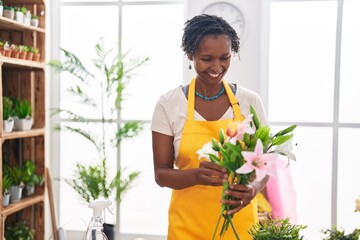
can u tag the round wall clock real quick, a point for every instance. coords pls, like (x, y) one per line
(231, 13)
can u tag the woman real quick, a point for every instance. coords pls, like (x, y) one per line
(186, 118)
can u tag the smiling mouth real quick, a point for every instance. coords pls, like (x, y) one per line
(214, 75)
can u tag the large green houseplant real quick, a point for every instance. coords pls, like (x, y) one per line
(91, 181)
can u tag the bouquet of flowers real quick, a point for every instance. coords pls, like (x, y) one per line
(248, 148)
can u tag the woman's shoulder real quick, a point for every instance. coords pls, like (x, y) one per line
(245, 93)
(172, 95)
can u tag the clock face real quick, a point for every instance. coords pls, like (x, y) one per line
(231, 14)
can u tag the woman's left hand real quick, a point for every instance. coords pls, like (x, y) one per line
(241, 195)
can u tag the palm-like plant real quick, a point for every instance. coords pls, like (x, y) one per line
(91, 181)
(7, 108)
(22, 108)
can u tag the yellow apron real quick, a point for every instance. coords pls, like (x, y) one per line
(194, 211)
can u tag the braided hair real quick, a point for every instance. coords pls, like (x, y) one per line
(205, 25)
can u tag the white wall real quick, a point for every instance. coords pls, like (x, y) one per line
(247, 70)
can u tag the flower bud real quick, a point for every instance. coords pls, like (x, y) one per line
(221, 136)
(232, 129)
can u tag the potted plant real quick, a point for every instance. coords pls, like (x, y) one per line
(337, 234)
(30, 178)
(8, 12)
(1, 47)
(19, 15)
(14, 50)
(29, 54)
(7, 49)
(22, 112)
(36, 54)
(8, 121)
(6, 185)
(276, 229)
(34, 21)
(92, 181)
(20, 231)
(27, 15)
(22, 51)
(16, 175)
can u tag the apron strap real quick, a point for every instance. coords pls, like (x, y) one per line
(233, 101)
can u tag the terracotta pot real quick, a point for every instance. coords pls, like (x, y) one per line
(7, 53)
(36, 57)
(15, 54)
(22, 55)
(29, 56)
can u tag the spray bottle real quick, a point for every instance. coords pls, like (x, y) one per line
(95, 228)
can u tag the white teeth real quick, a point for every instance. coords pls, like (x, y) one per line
(214, 75)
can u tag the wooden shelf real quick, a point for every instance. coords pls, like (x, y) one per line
(20, 63)
(10, 24)
(22, 204)
(27, 1)
(24, 134)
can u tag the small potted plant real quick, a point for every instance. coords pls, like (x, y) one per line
(7, 49)
(6, 185)
(30, 178)
(30, 53)
(16, 175)
(23, 51)
(22, 112)
(1, 47)
(19, 15)
(36, 54)
(14, 50)
(8, 121)
(27, 16)
(337, 234)
(20, 231)
(34, 21)
(8, 12)
(276, 229)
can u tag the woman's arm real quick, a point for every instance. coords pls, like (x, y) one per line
(166, 176)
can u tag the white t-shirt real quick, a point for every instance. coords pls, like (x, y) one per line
(170, 112)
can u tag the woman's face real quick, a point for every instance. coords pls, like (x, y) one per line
(212, 58)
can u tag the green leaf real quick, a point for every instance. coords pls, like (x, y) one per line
(221, 136)
(214, 158)
(215, 145)
(281, 139)
(285, 131)
(255, 118)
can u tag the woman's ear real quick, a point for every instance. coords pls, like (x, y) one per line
(190, 56)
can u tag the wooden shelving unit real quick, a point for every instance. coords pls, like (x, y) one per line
(24, 79)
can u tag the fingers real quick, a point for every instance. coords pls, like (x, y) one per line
(211, 174)
(239, 196)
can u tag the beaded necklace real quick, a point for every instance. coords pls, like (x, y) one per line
(210, 98)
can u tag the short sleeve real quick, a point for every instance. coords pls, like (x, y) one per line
(160, 122)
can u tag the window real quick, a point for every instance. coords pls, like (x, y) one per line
(151, 29)
(312, 81)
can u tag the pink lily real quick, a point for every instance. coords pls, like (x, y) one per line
(258, 161)
(242, 128)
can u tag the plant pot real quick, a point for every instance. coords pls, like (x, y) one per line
(16, 193)
(23, 124)
(36, 57)
(1, 10)
(109, 230)
(34, 22)
(22, 55)
(7, 53)
(29, 189)
(15, 54)
(6, 198)
(9, 13)
(8, 125)
(27, 19)
(19, 17)
(29, 56)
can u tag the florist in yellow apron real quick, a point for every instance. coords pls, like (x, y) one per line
(194, 211)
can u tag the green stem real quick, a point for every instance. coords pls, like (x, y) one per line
(233, 227)
(218, 221)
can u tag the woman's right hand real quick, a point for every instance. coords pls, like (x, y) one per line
(211, 174)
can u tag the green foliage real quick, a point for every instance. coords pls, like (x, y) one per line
(337, 234)
(113, 74)
(20, 231)
(6, 182)
(15, 173)
(29, 174)
(276, 229)
(22, 108)
(92, 182)
(8, 110)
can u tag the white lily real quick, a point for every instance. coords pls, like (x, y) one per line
(286, 149)
(206, 150)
